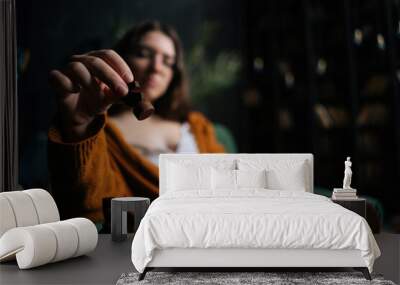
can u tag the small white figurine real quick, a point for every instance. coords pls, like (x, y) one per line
(347, 174)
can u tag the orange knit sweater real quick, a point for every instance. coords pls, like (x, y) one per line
(105, 165)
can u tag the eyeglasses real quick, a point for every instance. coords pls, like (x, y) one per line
(143, 51)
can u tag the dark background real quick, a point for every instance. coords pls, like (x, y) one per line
(282, 75)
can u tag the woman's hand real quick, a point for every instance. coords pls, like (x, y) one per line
(87, 87)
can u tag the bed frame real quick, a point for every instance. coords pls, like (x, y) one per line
(249, 258)
(243, 259)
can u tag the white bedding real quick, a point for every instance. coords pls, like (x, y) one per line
(250, 218)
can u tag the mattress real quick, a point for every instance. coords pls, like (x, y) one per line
(250, 218)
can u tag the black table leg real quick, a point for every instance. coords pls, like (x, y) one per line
(143, 274)
(364, 271)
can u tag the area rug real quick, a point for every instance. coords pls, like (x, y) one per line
(229, 278)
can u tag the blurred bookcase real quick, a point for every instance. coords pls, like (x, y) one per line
(327, 76)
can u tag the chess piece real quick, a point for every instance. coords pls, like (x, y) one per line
(142, 108)
(347, 174)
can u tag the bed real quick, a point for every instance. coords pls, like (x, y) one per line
(247, 211)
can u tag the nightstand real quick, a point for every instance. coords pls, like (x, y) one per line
(119, 208)
(357, 205)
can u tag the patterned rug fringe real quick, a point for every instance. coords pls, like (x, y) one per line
(243, 278)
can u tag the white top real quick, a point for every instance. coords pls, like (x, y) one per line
(186, 144)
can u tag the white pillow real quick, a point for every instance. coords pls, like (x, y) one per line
(188, 177)
(291, 179)
(204, 162)
(282, 174)
(236, 179)
(251, 178)
(223, 179)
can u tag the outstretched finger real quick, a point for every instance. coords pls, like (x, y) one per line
(62, 83)
(100, 69)
(116, 62)
(80, 75)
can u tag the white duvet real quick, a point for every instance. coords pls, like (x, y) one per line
(250, 219)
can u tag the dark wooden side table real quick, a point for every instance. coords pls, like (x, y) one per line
(357, 205)
(119, 208)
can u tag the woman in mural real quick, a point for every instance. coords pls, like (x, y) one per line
(97, 147)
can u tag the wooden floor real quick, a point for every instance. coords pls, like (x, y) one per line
(389, 262)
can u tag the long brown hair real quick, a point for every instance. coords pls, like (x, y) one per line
(174, 104)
